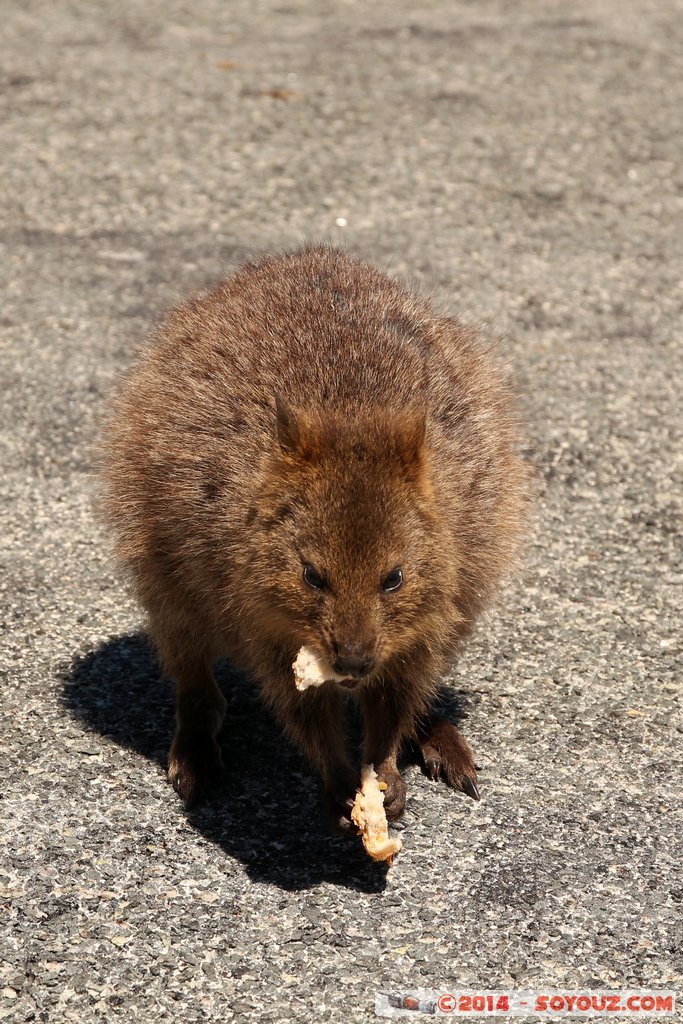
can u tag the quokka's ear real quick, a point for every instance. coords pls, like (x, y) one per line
(299, 436)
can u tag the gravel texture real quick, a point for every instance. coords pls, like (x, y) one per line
(524, 161)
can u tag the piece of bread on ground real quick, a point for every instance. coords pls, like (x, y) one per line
(368, 814)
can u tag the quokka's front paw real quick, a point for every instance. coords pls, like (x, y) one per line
(394, 794)
(194, 765)
(447, 756)
(340, 793)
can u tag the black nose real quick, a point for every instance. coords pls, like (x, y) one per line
(352, 660)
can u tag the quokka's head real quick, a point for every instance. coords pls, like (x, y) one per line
(349, 556)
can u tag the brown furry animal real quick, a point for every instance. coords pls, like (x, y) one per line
(310, 455)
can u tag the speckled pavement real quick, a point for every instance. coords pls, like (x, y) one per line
(525, 162)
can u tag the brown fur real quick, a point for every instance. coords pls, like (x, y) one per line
(310, 410)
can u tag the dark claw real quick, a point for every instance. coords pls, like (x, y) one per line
(433, 766)
(345, 826)
(469, 786)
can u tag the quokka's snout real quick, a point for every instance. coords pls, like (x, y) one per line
(354, 659)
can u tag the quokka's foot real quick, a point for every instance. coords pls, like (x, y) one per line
(194, 765)
(340, 798)
(447, 756)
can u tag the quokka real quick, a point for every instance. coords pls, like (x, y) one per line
(311, 455)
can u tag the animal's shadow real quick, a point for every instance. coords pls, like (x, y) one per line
(267, 810)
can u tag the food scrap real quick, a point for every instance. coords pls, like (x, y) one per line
(368, 814)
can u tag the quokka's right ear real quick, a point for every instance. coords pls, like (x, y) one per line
(410, 439)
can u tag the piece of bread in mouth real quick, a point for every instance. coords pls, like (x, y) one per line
(311, 669)
(369, 816)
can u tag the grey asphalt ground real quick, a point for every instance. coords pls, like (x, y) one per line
(523, 160)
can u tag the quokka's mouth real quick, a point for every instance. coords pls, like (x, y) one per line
(353, 682)
(350, 683)
(313, 667)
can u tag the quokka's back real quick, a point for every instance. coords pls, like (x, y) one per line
(310, 454)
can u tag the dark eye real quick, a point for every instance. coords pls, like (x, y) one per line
(393, 581)
(313, 578)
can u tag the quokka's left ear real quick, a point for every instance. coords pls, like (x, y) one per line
(286, 425)
(301, 436)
